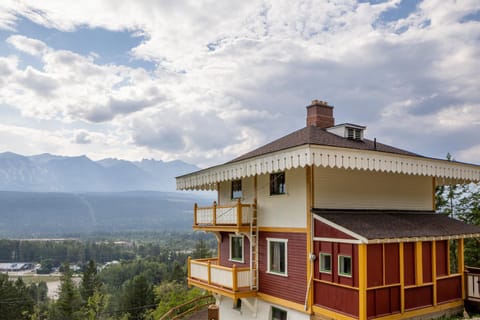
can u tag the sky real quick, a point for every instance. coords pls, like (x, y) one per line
(205, 81)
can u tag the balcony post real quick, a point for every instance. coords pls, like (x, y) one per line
(239, 213)
(195, 207)
(234, 278)
(209, 266)
(214, 217)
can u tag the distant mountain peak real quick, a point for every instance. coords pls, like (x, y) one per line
(48, 172)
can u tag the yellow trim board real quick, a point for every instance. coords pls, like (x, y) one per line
(331, 314)
(423, 311)
(282, 302)
(290, 230)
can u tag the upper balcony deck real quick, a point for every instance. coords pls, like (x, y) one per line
(233, 218)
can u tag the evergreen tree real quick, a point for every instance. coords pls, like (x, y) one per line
(138, 298)
(90, 282)
(201, 250)
(16, 302)
(69, 300)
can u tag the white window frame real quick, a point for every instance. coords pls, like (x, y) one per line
(231, 236)
(322, 255)
(269, 263)
(340, 265)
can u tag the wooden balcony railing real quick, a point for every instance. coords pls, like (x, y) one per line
(472, 281)
(234, 215)
(206, 273)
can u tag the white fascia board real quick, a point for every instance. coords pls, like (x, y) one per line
(333, 157)
(356, 236)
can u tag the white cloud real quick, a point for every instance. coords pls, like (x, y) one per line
(235, 74)
(30, 46)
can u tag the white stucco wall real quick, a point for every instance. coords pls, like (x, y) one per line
(225, 192)
(357, 189)
(287, 210)
(227, 312)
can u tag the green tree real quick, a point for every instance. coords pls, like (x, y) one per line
(69, 300)
(201, 250)
(90, 282)
(172, 294)
(15, 298)
(138, 298)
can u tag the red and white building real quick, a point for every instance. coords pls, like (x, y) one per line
(326, 224)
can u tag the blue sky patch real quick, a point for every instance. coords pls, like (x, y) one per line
(474, 16)
(402, 11)
(110, 46)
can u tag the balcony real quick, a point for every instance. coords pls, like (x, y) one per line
(231, 282)
(234, 218)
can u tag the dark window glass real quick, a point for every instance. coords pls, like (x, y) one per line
(236, 189)
(277, 183)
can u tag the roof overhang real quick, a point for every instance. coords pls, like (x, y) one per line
(446, 172)
(370, 228)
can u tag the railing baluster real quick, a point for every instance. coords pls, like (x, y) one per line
(239, 213)
(214, 221)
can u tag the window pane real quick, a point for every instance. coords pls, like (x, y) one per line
(236, 189)
(345, 266)
(277, 183)
(277, 257)
(279, 314)
(325, 262)
(237, 248)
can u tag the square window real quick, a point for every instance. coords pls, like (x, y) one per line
(277, 183)
(325, 262)
(345, 266)
(278, 314)
(236, 248)
(237, 189)
(277, 256)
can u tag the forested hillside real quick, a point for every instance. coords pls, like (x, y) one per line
(30, 214)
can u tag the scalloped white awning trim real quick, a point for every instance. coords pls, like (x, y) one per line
(323, 156)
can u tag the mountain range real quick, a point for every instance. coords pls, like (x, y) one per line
(53, 173)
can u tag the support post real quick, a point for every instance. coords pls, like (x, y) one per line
(214, 215)
(195, 207)
(402, 278)
(362, 281)
(239, 213)
(461, 264)
(418, 263)
(234, 278)
(209, 266)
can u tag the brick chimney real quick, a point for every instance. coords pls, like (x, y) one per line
(320, 114)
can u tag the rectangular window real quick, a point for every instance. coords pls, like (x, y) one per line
(237, 189)
(236, 248)
(277, 256)
(278, 314)
(325, 262)
(277, 183)
(345, 266)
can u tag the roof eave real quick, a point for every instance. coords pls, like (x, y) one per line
(445, 171)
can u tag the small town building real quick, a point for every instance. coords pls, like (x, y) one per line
(324, 223)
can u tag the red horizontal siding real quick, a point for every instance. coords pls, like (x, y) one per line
(340, 299)
(292, 287)
(224, 255)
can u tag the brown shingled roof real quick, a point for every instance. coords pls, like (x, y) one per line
(388, 224)
(317, 136)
